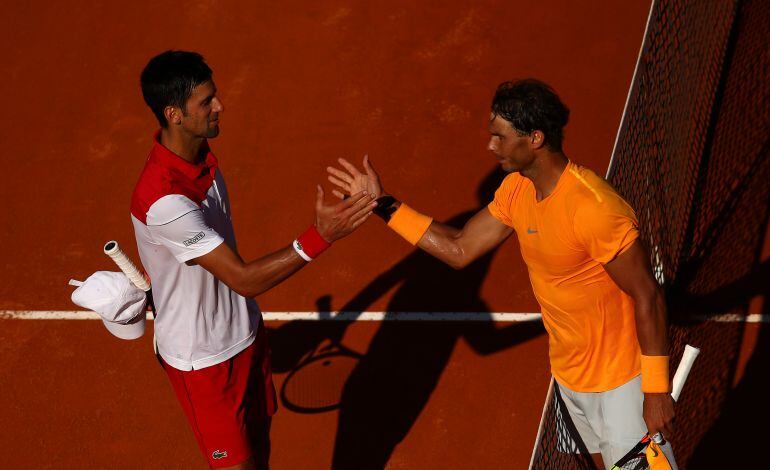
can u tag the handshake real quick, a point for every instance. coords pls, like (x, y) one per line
(358, 192)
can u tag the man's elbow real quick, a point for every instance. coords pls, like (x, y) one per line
(457, 260)
(245, 292)
(249, 290)
(239, 288)
(458, 264)
(240, 285)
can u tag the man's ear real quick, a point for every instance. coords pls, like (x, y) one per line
(537, 139)
(173, 115)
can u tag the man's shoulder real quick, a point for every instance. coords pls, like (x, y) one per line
(154, 184)
(514, 178)
(590, 188)
(513, 183)
(592, 196)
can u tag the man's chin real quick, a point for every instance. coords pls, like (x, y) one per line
(507, 167)
(212, 132)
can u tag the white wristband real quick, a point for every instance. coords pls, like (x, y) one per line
(298, 248)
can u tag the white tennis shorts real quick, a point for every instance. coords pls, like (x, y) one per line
(610, 422)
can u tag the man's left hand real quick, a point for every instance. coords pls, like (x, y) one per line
(658, 413)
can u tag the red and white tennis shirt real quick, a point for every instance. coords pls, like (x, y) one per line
(181, 211)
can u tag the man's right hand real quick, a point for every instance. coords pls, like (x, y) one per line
(338, 220)
(351, 181)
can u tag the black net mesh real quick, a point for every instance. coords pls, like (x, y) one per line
(637, 463)
(561, 446)
(692, 159)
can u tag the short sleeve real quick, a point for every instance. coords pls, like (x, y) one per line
(607, 228)
(178, 224)
(501, 206)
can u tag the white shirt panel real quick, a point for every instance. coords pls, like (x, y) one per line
(178, 224)
(200, 320)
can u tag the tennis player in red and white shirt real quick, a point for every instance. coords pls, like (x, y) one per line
(209, 329)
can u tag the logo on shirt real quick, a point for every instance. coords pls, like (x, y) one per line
(217, 454)
(194, 240)
(531, 230)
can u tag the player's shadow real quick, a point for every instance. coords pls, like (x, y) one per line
(393, 382)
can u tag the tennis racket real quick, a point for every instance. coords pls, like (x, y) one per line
(636, 458)
(315, 385)
(112, 249)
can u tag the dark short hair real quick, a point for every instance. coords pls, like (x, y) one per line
(531, 105)
(169, 79)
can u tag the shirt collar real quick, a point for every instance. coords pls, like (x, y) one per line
(194, 171)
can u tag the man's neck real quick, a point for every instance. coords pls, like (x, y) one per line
(182, 145)
(545, 172)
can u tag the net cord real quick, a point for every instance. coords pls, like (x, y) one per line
(631, 89)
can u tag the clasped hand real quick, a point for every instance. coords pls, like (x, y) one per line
(338, 220)
(351, 180)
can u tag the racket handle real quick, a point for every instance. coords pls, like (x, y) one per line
(112, 249)
(690, 353)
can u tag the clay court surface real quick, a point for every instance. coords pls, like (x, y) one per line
(408, 83)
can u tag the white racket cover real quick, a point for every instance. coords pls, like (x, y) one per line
(680, 376)
(688, 357)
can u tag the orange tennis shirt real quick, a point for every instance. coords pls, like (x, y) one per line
(565, 240)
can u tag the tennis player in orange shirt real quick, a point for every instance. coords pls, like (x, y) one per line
(603, 310)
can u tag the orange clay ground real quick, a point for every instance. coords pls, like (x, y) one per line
(303, 83)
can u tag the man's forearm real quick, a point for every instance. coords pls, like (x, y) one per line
(651, 327)
(632, 273)
(439, 240)
(442, 241)
(456, 247)
(263, 274)
(658, 409)
(255, 277)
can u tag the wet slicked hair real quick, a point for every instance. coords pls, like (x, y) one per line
(531, 105)
(169, 79)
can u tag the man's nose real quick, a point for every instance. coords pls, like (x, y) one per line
(217, 107)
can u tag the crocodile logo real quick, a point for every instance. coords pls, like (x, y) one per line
(217, 454)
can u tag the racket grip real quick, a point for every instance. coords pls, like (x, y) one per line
(688, 357)
(112, 249)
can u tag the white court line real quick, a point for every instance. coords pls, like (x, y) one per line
(310, 316)
(735, 317)
(359, 316)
